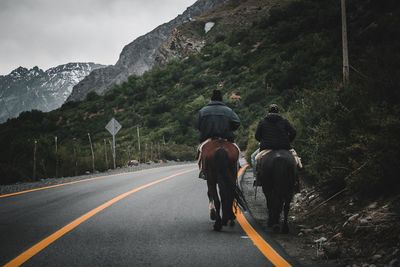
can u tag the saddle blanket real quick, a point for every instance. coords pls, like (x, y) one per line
(264, 152)
(200, 148)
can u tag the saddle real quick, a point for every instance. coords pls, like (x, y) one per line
(263, 153)
(200, 150)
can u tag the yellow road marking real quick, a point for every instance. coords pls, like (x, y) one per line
(26, 255)
(62, 184)
(258, 241)
(56, 185)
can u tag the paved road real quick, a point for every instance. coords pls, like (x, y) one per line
(165, 224)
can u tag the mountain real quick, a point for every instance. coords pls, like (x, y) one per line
(24, 89)
(140, 55)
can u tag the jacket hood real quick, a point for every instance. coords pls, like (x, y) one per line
(273, 117)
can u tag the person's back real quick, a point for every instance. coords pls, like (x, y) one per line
(274, 132)
(216, 120)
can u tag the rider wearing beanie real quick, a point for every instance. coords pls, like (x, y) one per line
(274, 132)
(216, 120)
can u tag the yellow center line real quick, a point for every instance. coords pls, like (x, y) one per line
(62, 184)
(267, 250)
(57, 185)
(26, 255)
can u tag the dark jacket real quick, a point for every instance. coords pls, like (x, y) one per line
(275, 132)
(217, 120)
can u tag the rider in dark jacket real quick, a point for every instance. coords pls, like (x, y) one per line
(274, 132)
(217, 120)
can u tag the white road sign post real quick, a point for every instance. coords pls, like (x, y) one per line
(113, 127)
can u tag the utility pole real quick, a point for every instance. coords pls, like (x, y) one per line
(129, 152)
(105, 153)
(76, 160)
(138, 136)
(151, 152)
(91, 148)
(55, 141)
(159, 151)
(346, 71)
(34, 159)
(145, 152)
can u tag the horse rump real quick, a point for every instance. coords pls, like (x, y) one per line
(277, 175)
(226, 177)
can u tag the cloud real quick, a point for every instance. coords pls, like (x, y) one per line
(47, 33)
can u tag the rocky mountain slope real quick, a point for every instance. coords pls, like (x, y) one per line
(24, 89)
(140, 55)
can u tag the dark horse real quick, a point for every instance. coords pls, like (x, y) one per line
(219, 158)
(276, 172)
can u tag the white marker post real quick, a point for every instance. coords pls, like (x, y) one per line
(113, 127)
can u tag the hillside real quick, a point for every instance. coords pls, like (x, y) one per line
(25, 90)
(139, 55)
(258, 52)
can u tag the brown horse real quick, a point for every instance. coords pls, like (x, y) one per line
(219, 158)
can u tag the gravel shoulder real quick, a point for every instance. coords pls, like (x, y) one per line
(345, 231)
(303, 252)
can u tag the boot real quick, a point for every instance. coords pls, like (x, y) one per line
(202, 175)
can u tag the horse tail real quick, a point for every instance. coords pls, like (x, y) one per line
(223, 166)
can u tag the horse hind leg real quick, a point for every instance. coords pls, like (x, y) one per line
(211, 204)
(213, 211)
(233, 217)
(218, 221)
(224, 205)
(277, 210)
(228, 217)
(285, 226)
(215, 206)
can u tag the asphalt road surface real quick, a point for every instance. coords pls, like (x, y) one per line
(165, 223)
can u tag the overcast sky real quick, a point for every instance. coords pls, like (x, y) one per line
(47, 33)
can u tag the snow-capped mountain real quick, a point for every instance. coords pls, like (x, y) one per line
(26, 89)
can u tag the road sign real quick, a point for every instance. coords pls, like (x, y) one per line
(113, 126)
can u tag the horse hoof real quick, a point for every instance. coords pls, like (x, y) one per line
(217, 227)
(232, 223)
(276, 228)
(213, 214)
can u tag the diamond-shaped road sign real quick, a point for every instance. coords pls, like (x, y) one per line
(113, 126)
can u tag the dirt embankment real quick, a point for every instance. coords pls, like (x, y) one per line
(344, 231)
